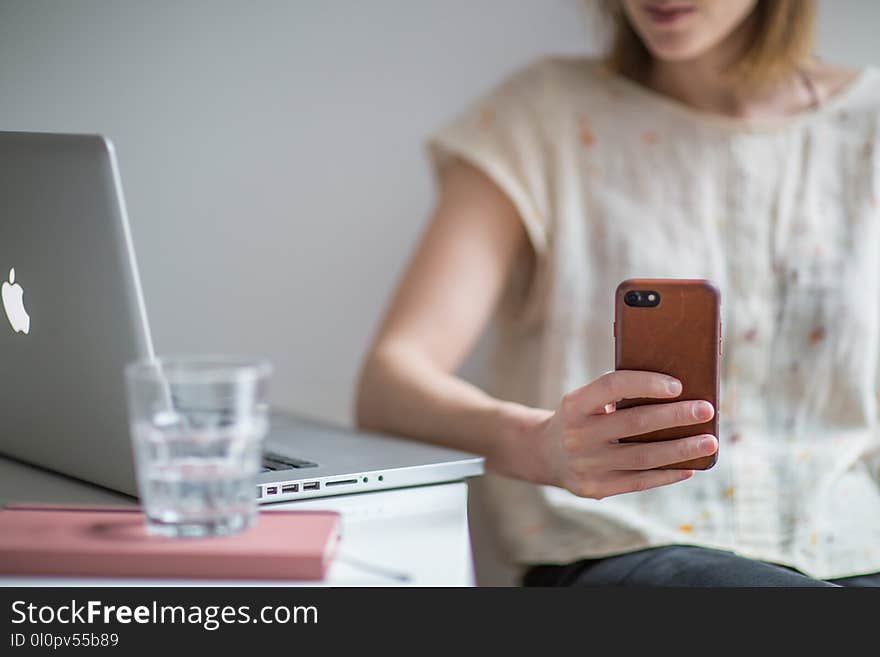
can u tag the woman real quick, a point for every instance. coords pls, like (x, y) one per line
(710, 144)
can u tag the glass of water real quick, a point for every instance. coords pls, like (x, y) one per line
(198, 426)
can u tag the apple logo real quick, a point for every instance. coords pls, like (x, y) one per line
(13, 304)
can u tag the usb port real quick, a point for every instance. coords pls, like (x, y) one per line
(271, 490)
(312, 485)
(290, 488)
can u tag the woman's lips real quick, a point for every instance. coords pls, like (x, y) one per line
(668, 14)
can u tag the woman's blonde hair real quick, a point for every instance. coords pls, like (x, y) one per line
(781, 42)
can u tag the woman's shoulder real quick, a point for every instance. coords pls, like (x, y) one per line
(561, 73)
(868, 86)
(555, 83)
(851, 90)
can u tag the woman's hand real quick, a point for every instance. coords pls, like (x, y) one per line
(577, 446)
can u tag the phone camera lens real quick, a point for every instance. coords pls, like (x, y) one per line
(642, 298)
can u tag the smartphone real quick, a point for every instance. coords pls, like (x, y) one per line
(672, 326)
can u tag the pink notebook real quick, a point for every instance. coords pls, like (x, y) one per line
(111, 541)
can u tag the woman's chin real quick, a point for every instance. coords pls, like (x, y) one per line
(675, 51)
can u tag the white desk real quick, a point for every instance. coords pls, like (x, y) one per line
(414, 536)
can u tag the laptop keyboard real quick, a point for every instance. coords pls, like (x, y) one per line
(273, 462)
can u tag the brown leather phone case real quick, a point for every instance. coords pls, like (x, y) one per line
(679, 336)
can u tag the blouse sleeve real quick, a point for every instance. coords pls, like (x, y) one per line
(501, 134)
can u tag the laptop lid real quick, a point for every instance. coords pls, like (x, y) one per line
(72, 312)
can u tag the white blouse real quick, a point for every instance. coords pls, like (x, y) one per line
(614, 181)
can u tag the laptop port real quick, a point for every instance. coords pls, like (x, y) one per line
(341, 482)
(312, 485)
(271, 490)
(290, 488)
(259, 492)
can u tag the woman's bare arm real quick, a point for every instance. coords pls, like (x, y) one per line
(441, 306)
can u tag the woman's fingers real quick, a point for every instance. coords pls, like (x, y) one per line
(647, 456)
(644, 456)
(589, 427)
(629, 482)
(644, 419)
(614, 386)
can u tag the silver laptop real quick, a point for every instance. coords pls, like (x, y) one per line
(72, 316)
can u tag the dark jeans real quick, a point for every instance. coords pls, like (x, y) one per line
(680, 565)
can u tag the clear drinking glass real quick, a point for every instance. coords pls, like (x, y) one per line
(198, 426)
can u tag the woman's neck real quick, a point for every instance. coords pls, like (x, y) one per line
(704, 84)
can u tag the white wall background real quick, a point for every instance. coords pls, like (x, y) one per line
(271, 151)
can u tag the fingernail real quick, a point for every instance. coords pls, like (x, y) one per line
(702, 410)
(707, 443)
(673, 386)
